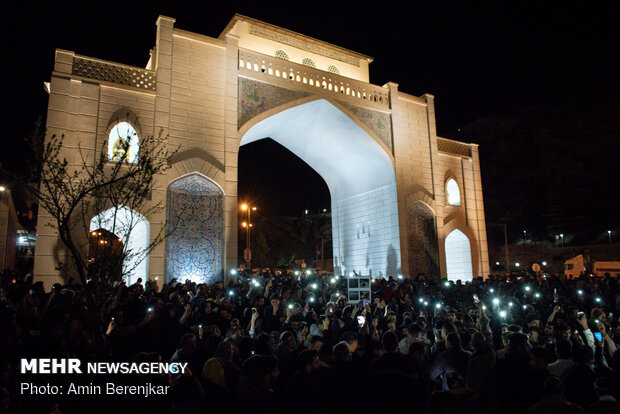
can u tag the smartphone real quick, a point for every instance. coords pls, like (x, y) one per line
(476, 299)
(364, 302)
(361, 320)
(598, 336)
(579, 314)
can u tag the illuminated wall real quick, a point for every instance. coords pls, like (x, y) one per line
(195, 245)
(134, 230)
(458, 257)
(360, 177)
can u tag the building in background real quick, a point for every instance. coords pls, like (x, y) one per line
(403, 200)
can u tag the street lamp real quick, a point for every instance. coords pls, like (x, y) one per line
(247, 225)
(609, 235)
(562, 237)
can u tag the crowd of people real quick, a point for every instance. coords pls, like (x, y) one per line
(280, 342)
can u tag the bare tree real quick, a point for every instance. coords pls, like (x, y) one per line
(96, 193)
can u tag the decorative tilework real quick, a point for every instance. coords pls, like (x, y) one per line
(422, 237)
(378, 122)
(195, 245)
(257, 97)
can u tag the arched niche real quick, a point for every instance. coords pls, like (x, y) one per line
(133, 230)
(195, 244)
(458, 257)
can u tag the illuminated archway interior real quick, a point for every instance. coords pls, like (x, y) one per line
(195, 244)
(454, 194)
(134, 231)
(123, 138)
(360, 177)
(458, 257)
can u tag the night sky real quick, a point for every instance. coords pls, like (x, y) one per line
(537, 88)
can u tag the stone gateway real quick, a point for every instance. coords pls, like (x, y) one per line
(403, 200)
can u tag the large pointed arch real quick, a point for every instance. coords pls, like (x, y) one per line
(359, 171)
(302, 101)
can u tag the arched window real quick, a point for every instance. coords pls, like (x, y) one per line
(308, 62)
(281, 54)
(123, 143)
(454, 194)
(333, 69)
(458, 257)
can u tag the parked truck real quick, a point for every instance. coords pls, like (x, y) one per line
(579, 264)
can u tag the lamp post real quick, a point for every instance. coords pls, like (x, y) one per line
(562, 237)
(609, 235)
(247, 254)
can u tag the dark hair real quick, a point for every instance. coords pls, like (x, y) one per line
(316, 338)
(306, 358)
(415, 328)
(479, 342)
(350, 337)
(553, 386)
(454, 340)
(342, 352)
(564, 349)
(185, 338)
(582, 355)
(540, 353)
(417, 348)
(267, 364)
(389, 341)
(261, 344)
(448, 326)
(516, 341)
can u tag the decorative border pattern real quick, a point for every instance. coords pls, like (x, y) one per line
(195, 247)
(379, 122)
(257, 97)
(300, 44)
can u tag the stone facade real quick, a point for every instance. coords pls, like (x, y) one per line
(210, 96)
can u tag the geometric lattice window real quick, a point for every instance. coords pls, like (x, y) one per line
(454, 194)
(308, 62)
(123, 143)
(281, 54)
(333, 69)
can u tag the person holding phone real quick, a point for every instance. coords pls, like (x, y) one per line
(585, 330)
